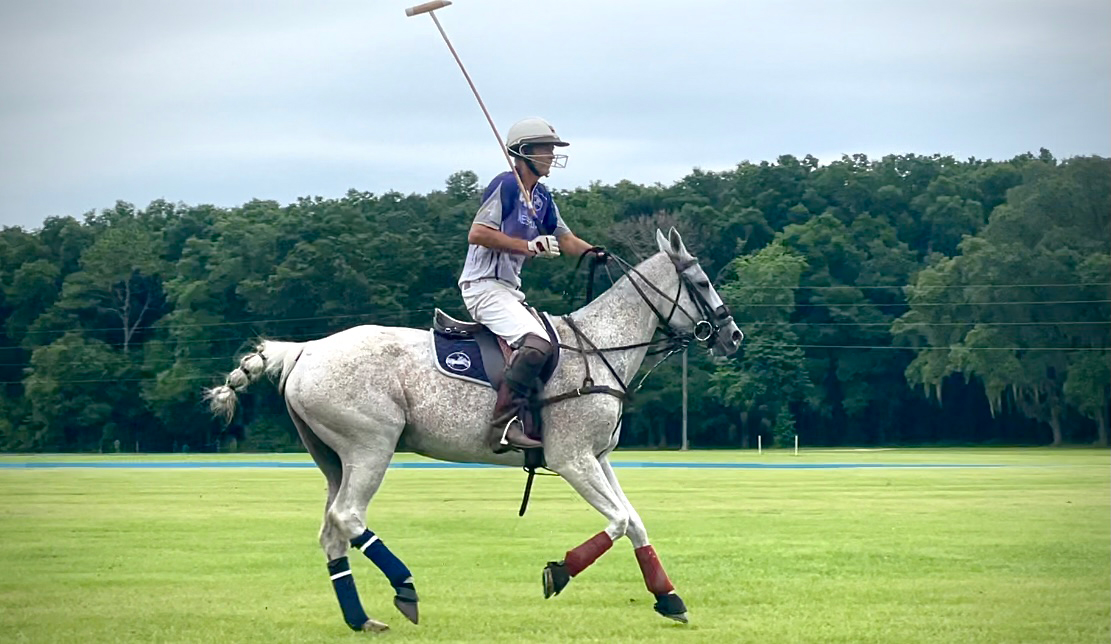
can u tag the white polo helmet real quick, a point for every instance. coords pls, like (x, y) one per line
(534, 131)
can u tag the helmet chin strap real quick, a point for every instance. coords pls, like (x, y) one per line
(528, 162)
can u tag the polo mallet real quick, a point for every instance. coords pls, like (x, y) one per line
(430, 8)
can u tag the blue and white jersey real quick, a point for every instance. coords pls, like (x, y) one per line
(503, 208)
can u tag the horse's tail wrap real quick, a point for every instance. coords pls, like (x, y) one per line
(274, 359)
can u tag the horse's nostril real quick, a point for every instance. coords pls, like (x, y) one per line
(737, 337)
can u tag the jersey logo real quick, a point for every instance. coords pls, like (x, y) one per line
(523, 216)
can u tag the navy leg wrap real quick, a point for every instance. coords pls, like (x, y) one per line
(344, 584)
(387, 562)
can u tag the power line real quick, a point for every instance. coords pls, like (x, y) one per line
(934, 324)
(244, 322)
(172, 342)
(919, 304)
(939, 287)
(398, 316)
(216, 378)
(856, 346)
(405, 312)
(170, 362)
(298, 336)
(213, 378)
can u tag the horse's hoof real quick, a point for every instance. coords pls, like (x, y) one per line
(405, 600)
(555, 578)
(672, 607)
(374, 626)
(407, 608)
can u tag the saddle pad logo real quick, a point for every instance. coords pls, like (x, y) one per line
(458, 361)
(459, 358)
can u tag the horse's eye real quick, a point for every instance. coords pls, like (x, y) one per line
(702, 284)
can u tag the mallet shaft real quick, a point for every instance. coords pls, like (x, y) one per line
(520, 184)
(430, 9)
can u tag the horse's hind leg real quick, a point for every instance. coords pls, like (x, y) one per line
(328, 461)
(332, 541)
(586, 476)
(668, 603)
(366, 450)
(362, 474)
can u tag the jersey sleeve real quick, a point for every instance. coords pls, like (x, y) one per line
(489, 213)
(561, 228)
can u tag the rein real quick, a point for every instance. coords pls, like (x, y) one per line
(675, 341)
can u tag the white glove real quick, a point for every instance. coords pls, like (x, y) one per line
(544, 246)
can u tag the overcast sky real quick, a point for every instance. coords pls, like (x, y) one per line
(223, 101)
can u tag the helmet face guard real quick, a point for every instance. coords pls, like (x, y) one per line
(522, 152)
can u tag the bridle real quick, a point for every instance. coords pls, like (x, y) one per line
(705, 327)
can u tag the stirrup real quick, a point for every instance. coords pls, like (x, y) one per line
(505, 430)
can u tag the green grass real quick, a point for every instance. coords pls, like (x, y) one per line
(1012, 554)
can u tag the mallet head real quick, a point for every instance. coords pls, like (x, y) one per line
(426, 7)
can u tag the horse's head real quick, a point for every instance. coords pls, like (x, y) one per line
(701, 311)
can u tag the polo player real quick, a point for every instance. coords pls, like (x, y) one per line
(503, 235)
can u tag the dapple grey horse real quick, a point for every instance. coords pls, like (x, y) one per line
(355, 394)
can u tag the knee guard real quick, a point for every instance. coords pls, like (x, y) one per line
(527, 362)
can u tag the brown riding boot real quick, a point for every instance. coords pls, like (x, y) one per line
(507, 427)
(512, 414)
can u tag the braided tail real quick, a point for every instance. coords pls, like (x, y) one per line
(269, 358)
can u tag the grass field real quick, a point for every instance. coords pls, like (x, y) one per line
(1015, 553)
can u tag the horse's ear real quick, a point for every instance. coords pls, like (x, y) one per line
(661, 241)
(677, 247)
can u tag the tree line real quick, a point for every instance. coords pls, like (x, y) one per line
(908, 300)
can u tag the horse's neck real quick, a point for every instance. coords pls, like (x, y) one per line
(621, 317)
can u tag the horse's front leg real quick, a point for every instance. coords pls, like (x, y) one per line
(585, 475)
(668, 603)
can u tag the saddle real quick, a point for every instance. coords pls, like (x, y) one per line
(469, 351)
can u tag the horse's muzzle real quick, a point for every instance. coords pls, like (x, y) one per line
(728, 340)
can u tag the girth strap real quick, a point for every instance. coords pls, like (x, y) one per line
(583, 391)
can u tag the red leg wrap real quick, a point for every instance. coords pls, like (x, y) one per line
(654, 576)
(578, 559)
